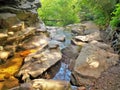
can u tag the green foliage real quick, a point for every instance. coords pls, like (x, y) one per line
(64, 12)
(115, 22)
(100, 10)
(58, 12)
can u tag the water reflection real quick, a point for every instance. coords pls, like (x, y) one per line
(64, 73)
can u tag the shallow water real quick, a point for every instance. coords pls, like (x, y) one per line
(68, 37)
(64, 73)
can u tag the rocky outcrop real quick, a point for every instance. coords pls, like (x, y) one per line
(92, 61)
(95, 57)
(16, 11)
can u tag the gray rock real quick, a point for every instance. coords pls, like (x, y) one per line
(37, 63)
(54, 44)
(35, 41)
(77, 28)
(92, 61)
(8, 20)
(89, 37)
(59, 37)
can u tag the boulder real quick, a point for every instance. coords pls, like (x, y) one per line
(77, 29)
(35, 41)
(69, 55)
(92, 61)
(17, 10)
(89, 37)
(37, 63)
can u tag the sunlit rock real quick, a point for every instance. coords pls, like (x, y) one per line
(4, 55)
(92, 61)
(37, 63)
(44, 84)
(11, 66)
(89, 37)
(2, 35)
(78, 42)
(20, 35)
(35, 41)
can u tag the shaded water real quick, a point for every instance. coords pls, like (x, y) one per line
(64, 73)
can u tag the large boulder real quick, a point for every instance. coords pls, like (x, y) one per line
(37, 63)
(94, 58)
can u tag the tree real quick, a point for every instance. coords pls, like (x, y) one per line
(115, 22)
(59, 12)
(100, 9)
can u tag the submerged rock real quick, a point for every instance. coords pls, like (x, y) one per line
(91, 62)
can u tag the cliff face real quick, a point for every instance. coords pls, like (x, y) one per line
(17, 11)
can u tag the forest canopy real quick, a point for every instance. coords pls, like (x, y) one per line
(64, 12)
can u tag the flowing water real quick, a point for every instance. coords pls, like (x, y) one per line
(64, 73)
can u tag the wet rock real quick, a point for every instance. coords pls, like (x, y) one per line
(44, 84)
(8, 70)
(37, 63)
(9, 83)
(11, 66)
(91, 62)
